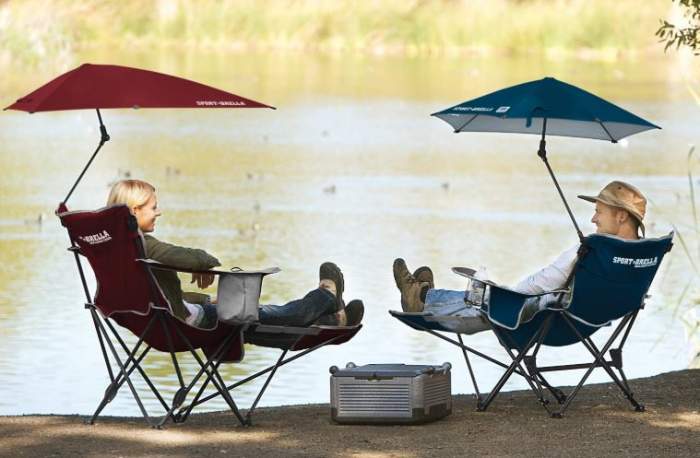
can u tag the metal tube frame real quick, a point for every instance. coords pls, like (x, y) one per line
(185, 411)
(104, 138)
(542, 153)
(481, 404)
(133, 362)
(599, 361)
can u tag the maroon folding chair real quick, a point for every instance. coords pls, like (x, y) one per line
(128, 295)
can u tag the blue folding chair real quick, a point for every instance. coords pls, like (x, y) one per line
(609, 282)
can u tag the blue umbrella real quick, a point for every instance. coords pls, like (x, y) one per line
(546, 106)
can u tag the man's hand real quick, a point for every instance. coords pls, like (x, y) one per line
(203, 280)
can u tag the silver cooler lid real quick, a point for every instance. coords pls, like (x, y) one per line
(376, 371)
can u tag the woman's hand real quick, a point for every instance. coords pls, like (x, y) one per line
(203, 280)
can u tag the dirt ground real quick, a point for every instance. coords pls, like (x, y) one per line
(599, 422)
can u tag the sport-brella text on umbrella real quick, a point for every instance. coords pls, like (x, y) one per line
(541, 107)
(113, 86)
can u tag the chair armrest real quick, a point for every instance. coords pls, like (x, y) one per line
(507, 308)
(158, 265)
(469, 273)
(464, 271)
(526, 295)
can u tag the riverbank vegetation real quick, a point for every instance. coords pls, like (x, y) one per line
(687, 301)
(33, 30)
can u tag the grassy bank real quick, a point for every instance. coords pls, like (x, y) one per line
(33, 30)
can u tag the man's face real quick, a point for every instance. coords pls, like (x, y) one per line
(146, 214)
(606, 219)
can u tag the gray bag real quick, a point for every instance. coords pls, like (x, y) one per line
(239, 294)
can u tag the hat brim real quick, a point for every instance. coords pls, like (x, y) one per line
(588, 198)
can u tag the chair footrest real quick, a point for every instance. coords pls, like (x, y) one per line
(295, 330)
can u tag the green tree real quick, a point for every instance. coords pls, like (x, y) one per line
(674, 35)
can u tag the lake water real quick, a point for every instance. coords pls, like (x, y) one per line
(350, 168)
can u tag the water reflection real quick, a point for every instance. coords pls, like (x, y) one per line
(252, 186)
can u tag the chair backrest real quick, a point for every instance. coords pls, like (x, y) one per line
(110, 241)
(126, 289)
(613, 276)
(610, 280)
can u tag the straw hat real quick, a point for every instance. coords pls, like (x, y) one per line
(622, 195)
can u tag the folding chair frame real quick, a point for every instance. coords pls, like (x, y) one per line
(599, 361)
(184, 412)
(534, 381)
(133, 359)
(142, 318)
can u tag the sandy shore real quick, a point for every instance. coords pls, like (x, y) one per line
(599, 422)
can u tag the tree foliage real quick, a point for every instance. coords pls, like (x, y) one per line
(688, 35)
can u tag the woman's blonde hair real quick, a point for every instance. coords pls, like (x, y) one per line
(132, 193)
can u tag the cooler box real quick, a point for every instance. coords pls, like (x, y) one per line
(390, 393)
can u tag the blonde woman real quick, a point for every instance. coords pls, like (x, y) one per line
(323, 305)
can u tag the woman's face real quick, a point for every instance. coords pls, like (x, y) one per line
(147, 213)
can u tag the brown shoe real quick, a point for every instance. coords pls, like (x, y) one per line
(424, 274)
(410, 288)
(329, 271)
(354, 311)
(351, 315)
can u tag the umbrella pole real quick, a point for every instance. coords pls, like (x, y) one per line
(104, 138)
(542, 153)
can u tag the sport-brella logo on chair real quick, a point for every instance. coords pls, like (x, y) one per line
(96, 239)
(639, 263)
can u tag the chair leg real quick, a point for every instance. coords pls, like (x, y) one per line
(482, 406)
(133, 362)
(558, 394)
(138, 367)
(599, 361)
(248, 419)
(184, 412)
(518, 369)
(536, 374)
(517, 360)
(211, 369)
(622, 384)
(97, 324)
(124, 374)
(116, 384)
(465, 350)
(471, 372)
(534, 378)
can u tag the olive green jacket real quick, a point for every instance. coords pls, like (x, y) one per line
(181, 258)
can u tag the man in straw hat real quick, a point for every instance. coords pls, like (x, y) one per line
(619, 211)
(624, 207)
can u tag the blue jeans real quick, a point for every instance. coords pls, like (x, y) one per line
(446, 300)
(299, 312)
(461, 316)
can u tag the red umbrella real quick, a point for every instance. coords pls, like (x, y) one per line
(113, 86)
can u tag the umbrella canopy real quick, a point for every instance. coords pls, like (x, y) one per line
(114, 86)
(569, 111)
(546, 106)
